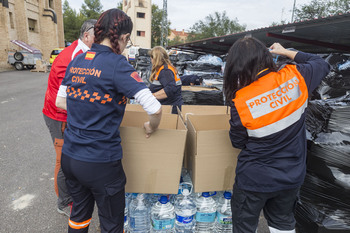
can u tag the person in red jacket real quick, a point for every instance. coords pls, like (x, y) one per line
(268, 124)
(55, 118)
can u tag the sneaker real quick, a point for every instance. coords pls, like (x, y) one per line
(65, 210)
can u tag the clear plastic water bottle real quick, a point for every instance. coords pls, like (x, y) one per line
(224, 214)
(206, 213)
(139, 215)
(163, 216)
(126, 210)
(185, 210)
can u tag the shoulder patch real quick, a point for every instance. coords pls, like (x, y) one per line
(89, 55)
(136, 76)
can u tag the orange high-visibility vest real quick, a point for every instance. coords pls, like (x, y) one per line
(177, 78)
(273, 102)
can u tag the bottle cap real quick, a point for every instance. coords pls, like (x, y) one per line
(185, 192)
(227, 195)
(163, 199)
(205, 194)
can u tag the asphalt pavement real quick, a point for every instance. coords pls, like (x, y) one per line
(27, 159)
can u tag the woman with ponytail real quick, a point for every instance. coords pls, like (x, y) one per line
(165, 81)
(94, 92)
(268, 125)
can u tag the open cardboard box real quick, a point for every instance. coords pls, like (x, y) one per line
(187, 110)
(210, 156)
(152, 165)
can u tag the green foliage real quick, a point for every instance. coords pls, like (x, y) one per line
(120, 5)
(218, 24)
(156, 25)
(175, 41)
(321, 8)
(72, 22)
(91, 9)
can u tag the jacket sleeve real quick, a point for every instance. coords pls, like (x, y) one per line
(238, 133)
(167, 79)
(313, 68)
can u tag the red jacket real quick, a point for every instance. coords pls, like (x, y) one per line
(58, 70)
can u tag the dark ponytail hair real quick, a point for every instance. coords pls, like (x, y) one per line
(112, 24)
(245, 59)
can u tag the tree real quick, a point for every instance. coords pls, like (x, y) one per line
(91, 9)
(156, 25)
(175, 41)
(120, 5)
(71, 23)
(321, 8)
(213, 26)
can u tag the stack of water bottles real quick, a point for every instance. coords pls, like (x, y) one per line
(185, 212)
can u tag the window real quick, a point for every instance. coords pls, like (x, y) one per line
(141, 33)
(12, 25)
(141, 3)
(32, 24)
(51, 5)
(140, 15)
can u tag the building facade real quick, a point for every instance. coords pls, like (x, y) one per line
(181, 35)
(38, 23)
(140, 12)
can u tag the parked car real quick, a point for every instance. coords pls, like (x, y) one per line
(25, 58)
(54, 54)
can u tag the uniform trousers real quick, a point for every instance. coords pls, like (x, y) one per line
(278, 208)
(88, 182)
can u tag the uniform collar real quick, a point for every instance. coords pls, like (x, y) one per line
(101, 48)
(263, 72)
(83, 46)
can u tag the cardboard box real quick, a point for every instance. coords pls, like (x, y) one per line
(139, 108)
(211, 158)
(203, 110)
(187, 110)
(152, 165)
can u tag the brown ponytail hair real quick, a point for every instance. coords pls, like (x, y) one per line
(112, 24)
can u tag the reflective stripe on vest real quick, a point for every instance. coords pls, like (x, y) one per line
(273, 102)
(177, 78)
(79, 225)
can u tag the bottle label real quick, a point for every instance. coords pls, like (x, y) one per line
(163, 224)
(136, 223)
(184, 220)
(223, 219)
(132, 222)
(205, 217)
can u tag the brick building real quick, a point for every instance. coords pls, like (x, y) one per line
(181, 35)
(38, 23)
(140, 12)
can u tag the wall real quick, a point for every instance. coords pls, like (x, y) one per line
(46, 35)
(131, 8)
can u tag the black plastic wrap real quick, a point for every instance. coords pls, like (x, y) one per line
(331, 161)
(317, 117)
(340, 119)
(143, 52)
(203, 67)
(211, 97)
(184, 57)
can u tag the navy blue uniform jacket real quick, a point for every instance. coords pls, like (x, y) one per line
(268, 124)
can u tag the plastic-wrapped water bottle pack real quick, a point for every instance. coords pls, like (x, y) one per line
(185, 212)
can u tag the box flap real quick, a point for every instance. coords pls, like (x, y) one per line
(203, 110)
(214, 172)
(137, 119)
(139, 108)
